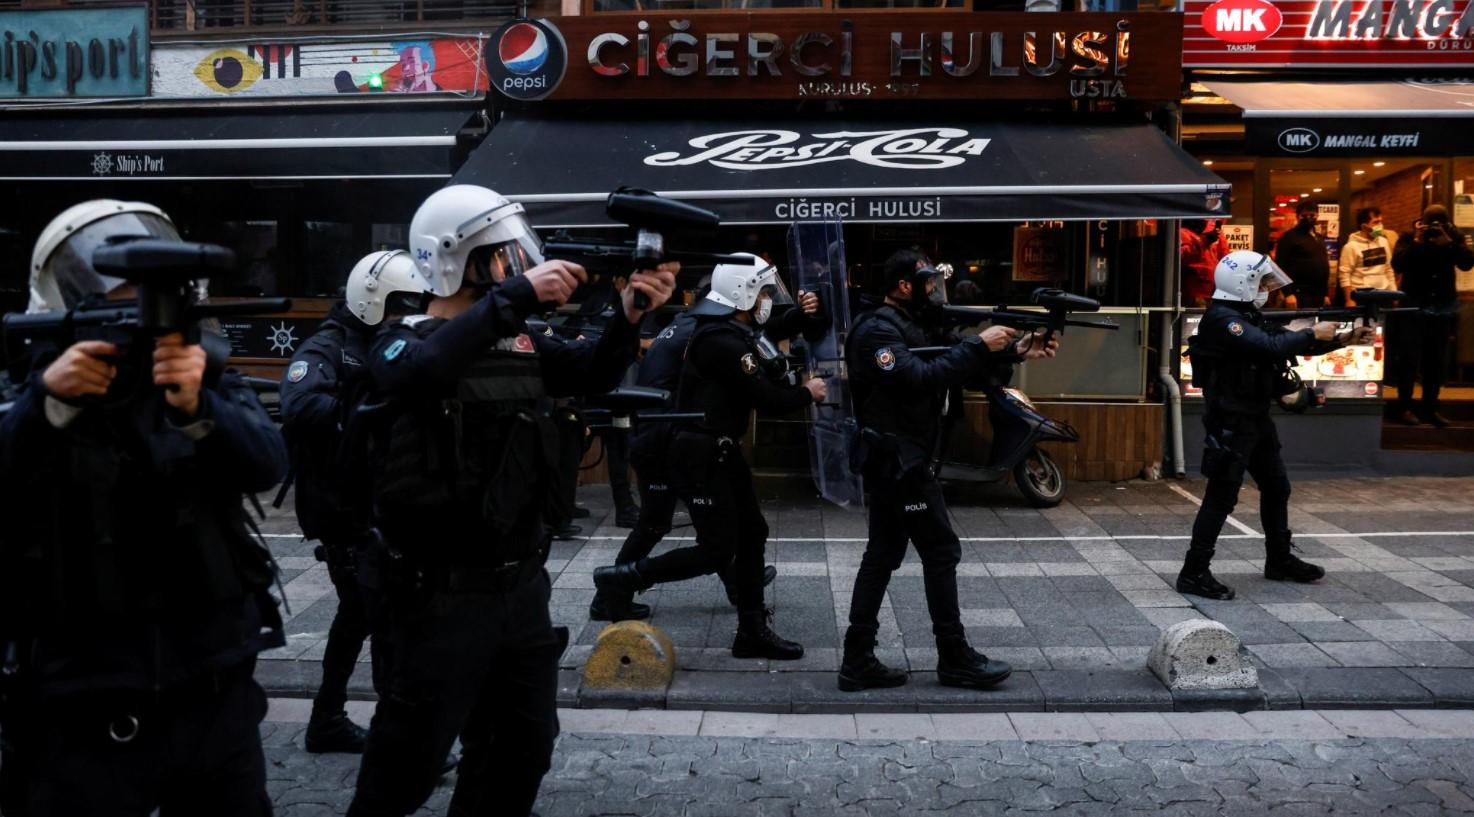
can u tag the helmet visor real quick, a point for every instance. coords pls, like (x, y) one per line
(70, 266)
(502, 261)
(773, 288)
(1271, 277)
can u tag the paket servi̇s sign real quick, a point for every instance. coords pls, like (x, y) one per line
(74, 52)
(876, 55)
(1328, 33)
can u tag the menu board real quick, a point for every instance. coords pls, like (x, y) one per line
(1349, 372)
(267, 337)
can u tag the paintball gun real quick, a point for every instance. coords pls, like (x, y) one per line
(1058, 306)
(1370, 304)
(164, 273)
(627, 404)
(654, 217)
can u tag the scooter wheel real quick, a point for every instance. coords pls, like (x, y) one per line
(1040, 480)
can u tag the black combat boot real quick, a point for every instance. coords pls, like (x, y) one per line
(755, 639)
(770, 573)
(860, 669)
(1203, 584)
(626, 512)
(1281, 565)
(623, 580)
(959, 665)
(617, 607)
(335, 733)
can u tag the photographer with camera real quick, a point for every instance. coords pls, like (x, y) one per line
(1240, 363)
(1420, 340)
(466, 475)
(900, 399)
(142, 595)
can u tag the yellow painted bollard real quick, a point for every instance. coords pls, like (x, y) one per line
(631, 655)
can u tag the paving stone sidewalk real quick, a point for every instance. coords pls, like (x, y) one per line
(733, 764)
(1073, 596)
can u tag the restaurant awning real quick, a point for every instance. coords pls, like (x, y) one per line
(387, 142)
(1394, 117)
(777, 172)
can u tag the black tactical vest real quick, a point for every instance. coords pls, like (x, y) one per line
(478, 466)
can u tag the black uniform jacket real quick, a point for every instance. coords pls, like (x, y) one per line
(1234, 355)
(326, 379)
(898, 393)
(128, 540)
(723, 378)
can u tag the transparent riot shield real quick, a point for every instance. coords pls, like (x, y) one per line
(816, 255)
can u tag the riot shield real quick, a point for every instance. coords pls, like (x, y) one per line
(816, 255)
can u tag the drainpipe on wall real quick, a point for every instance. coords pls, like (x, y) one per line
(1173, 298)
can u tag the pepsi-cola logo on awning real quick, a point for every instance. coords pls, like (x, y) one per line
(526, 59)
(1242, 21)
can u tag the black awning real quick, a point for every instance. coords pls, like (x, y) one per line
(1398, 118)
(875, 171)
(391, 142)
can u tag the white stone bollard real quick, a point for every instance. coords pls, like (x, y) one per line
(1201, 654)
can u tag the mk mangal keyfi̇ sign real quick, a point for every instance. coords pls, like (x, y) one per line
(70, 53)
(1328, 33)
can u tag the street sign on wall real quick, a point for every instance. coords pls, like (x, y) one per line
(1328, 33)
(822, 55)
(70, 53)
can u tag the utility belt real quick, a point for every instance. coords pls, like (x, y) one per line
(489, 580)
(717, 446)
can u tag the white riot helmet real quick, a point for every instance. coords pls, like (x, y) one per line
(376, 278)
(61, 264)
(736, 287)
(1247, 277)
(462, 219)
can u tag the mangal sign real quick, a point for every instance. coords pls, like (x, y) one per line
(879, 55)
(1328, 33)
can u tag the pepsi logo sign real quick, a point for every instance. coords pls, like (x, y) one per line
(529, 59)
(523, 49)
(1242, 21)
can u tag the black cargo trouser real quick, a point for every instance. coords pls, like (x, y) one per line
(714, 481)
(478, 663)
(657, 496)
(1419, 344)
(194, 750)
(350, 627)
(1240, 443)
(906, 508)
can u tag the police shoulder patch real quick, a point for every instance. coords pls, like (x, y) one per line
(394, 349)
(749, 364)
(1235, 328)
(297, 371)
(885, 358)
(414, 320)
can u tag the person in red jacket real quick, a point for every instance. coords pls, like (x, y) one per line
(1203, 245)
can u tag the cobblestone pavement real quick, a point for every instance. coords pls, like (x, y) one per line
(1085, 586)
(730, 764)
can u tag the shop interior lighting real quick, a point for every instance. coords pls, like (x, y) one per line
(1316, 189)
(1358, 172)
(1207, 162)
(1303, 196)
(1378, 164)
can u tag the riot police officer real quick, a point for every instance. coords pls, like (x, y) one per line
(900, 399)
(1242, 365)
(145, 596)
(326, 380)
(725, 378)
(464, 473)
(661, 369)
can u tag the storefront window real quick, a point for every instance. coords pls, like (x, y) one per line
(331, 252)
(257, 254)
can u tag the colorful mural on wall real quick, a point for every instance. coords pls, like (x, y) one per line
(412, 65)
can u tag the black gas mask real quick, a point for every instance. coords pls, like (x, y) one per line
(927, 305)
